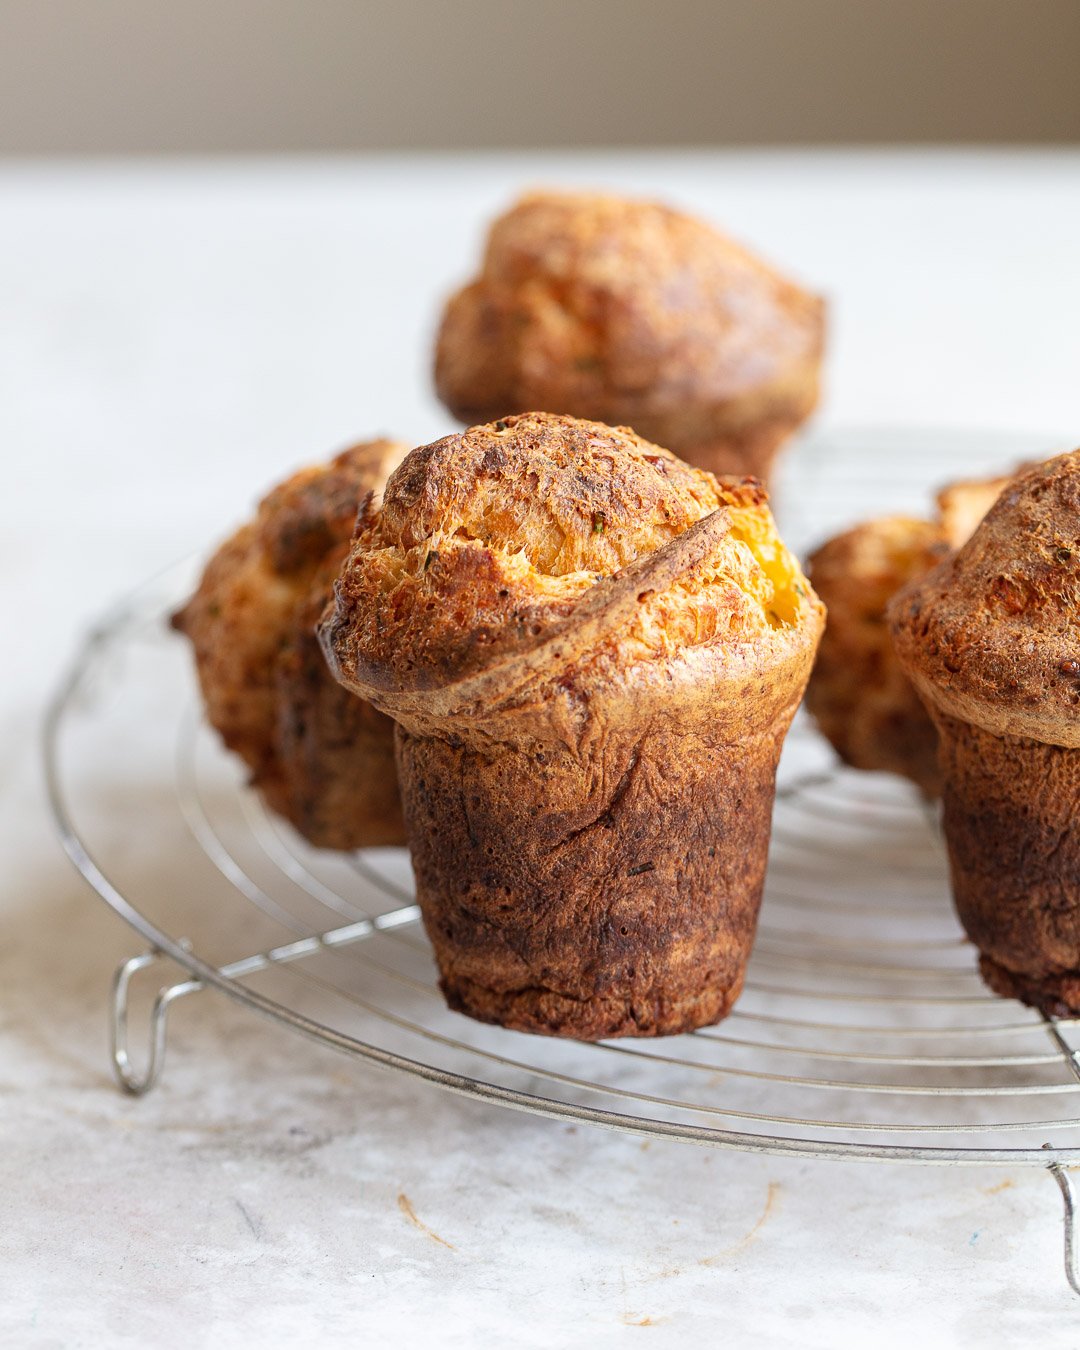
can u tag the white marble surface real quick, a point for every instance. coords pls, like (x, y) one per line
(171, 339)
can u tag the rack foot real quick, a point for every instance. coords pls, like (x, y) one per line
(131, 1081)
(1064, 1181)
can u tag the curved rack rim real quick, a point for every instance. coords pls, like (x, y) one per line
(460, 1084)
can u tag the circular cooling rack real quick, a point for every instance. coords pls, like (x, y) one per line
(864, 1030)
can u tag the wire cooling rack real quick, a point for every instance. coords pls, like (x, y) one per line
(863, 1032)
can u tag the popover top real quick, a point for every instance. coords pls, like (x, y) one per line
(620, 310)
(313, 512)
(992, 635)
(547, 534)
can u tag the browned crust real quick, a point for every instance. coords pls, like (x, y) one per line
(615, 895)
(630, 313)
(235, 621)
(1014, 850)
(338, 780)
(990, 635)
(486, 543)
(990, 640)
(311, 515)
(1056, 995)
(588, 720)
(859, 697)
(320, 756)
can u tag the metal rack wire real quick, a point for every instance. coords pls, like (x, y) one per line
(864, 1031)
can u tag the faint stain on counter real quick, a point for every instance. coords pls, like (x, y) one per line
(747, 1238)
(634, 1318)
(405, 1205)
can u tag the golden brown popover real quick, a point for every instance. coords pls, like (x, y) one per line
(634, 314)
(991, 640)
(320, 757)
(861, 700)
(593, 653)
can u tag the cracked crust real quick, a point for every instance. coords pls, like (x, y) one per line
(859, 696)
(632, 313)
(991, 640)
(319, 756)
(593, 653)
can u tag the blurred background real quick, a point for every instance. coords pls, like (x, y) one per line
(214, 248)
(132, 77)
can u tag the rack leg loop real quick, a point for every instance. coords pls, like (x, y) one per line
(135, 1083)
(1064, 1181)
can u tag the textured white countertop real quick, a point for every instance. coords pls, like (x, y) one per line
(171, 340)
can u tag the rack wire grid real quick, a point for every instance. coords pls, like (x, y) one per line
(864, 1031)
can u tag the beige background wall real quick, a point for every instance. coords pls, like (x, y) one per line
(240, 75)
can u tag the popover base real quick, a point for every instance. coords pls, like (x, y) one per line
(615, 895)
(1014, 856)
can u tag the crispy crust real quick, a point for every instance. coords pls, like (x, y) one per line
(487, 540)
(320, 757)
(1057, 995)
(990, 640)
(859, 696)
(1014, 850)
(990, 635)
(608, 892)
(593, 653)
(631, 313)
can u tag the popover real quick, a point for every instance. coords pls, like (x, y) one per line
(593, 653)
(634, 314)
(990, 639)
(319, 756)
